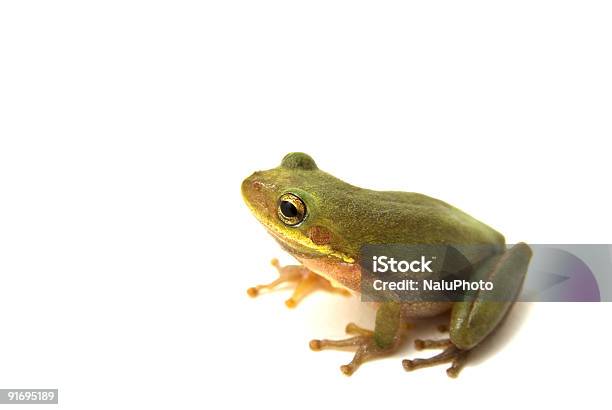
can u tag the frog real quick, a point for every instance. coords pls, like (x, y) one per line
(324, 222)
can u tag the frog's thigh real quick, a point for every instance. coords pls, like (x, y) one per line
(473, 319)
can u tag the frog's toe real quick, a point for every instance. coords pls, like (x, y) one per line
(354, 329)
(451, 353)
(366, 349)
(421, 344)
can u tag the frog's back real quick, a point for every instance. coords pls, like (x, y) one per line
(408, 217)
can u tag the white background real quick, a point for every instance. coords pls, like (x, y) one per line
(126, 128)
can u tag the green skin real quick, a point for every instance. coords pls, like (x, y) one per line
(340, 218)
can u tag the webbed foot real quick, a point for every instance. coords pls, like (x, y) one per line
(306, 282)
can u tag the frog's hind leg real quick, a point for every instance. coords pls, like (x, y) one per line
(305, 280)
(474, 318)
(383, 341)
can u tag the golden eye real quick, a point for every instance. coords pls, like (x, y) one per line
(291, 209)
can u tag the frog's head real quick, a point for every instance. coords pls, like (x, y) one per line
(299, 206)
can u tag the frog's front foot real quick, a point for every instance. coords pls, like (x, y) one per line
(306, 282)
(451, 353)
(364, 342)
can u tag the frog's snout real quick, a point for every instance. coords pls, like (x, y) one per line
(246, 187)
(253, 190)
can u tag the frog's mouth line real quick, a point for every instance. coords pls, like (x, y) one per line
(294, 246)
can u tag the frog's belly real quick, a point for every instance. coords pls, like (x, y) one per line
(348, 276)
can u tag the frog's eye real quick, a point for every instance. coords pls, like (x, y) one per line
(291, 209)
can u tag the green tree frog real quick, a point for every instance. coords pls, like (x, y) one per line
(323, 222)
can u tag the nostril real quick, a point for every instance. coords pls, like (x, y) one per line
(257, 185)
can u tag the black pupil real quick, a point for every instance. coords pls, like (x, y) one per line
(288, 209)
